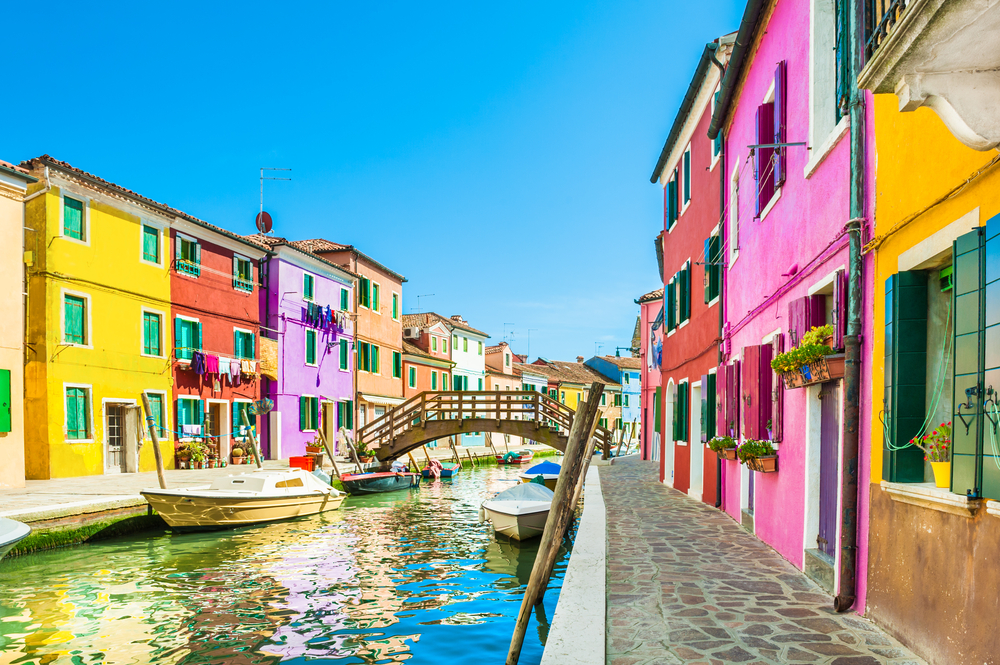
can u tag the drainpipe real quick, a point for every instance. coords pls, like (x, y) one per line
(713, 48)
(846, 595)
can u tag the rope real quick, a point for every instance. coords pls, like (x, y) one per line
(164, 430)
(994, 447)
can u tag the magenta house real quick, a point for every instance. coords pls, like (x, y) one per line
(785, 252)
(305, 312)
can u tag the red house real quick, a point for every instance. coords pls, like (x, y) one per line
(215, 315)
(690, 171)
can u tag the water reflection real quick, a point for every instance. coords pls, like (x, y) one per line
(388, 578)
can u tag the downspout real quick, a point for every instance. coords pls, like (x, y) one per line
(713, 48)
(846, 592)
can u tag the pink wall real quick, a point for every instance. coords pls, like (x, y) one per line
(805, 228)
(650, 377)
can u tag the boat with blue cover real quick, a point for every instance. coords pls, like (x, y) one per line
(549, 471)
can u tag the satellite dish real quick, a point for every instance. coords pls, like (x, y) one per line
(264, 222)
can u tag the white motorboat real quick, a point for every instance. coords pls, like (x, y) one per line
(11, 533)
(519, 512)
(247, 498)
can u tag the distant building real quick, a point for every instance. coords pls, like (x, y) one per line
(650, 356)
(503, 375)
(626, 372)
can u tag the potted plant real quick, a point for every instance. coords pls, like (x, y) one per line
(758, 455)
(364, 454)
(314, 447)
(724, 447)
(239, 455)
(183, 456)
(197, 452)
(937, 451)
(808, 363)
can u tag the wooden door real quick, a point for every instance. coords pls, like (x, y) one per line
(115, 438)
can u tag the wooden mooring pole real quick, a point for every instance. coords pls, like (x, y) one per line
(253, 440)
(151, 425)
(563, 505)
(329, 452)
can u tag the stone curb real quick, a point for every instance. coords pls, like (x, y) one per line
(74, 508)
(578, 630)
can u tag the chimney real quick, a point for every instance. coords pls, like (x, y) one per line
(457, 317)
(579, 359)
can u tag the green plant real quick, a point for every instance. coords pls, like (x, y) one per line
(753, 448)
(794, 359)
(816, 335)
(197, 451)
(238, 452)
(936, 445)
(720, 443)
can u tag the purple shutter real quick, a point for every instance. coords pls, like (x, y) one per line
(748, 391)
(720, 401)
(762, 411)
(796, 319)
(705, 436)
(777, 392)
(763, 157)
(815, 312)
(839, 310)
(780, 101)
(804, 314)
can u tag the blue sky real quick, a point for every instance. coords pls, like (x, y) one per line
(497, 154)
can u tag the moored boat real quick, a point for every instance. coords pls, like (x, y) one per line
(11, 533)
(515, 457)
(519, 512)
(243, 499)
(549, 471)
(379, 481)
(448, 469)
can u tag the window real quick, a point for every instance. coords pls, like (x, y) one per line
(242, 274)
(413, 377)
(156, 410)
(687, 175)
(310, 347)
(187, 255)
(562, 396)
(769, 163)
(190, 411)
(74, 320)
(243, 344)
(604, 399)
(506, 360)
(713, 268)
(670, 200)
(345, 414)
(625, 399)
(239, 408)
(618, 399)
(434, 380)
(717, 142)
(344, 299)
(308, 287)
(465, 344)
(74, 223)
(480, 348)
(684, 294)
(480, 384)
(150, 244)
(152, 326)
(444, 381)
(187, 337)
(603, 422)
(364, 292)
(395, 307)
(618, 423)
(397, 365)
(733, 237)
(77, 414)
(434, 343)
(308, 413)
(376, 367)
(364, 356)
(444, 345)
(681, 412)
(343, 354)
(375, 298)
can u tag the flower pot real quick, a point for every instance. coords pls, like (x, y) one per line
(727, 453)
(238, 460)
(313, 450)
(364, 460)
(767, 464)
(825, 369)
(942, 473)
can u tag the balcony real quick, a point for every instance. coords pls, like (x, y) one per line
(940, 54)
(188, 267)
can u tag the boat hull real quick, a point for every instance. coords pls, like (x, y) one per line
(11, 533)
(518, 527)
(191, 512)
(448, 470)
(377, 483)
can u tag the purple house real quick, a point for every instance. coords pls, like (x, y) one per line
(306, 320)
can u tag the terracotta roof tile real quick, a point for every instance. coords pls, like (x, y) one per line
(651, 296)
(624, 363)
(323, 245)
(270, 242)
(430, 318)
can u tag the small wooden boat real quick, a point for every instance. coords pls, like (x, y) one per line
(549, 471)
(515, 457)
(519, 512)
(448, 469)
(11, 533)
(379, 481)
(246, 498)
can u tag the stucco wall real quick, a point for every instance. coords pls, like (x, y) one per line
(12, 326)
(650, 376)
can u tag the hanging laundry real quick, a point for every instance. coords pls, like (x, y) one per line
(191, 430)
(245, 366)
(198, 362)
(234, 372)
(211, 364)
(328, 318)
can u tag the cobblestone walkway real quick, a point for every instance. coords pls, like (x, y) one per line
(686, 584)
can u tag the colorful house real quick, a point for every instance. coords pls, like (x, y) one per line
(379, 310)
(785, 255)
(215, 325)
(625, 372)
(503, 375)
(932, 278)
(690, 171)
(98, 311)
(14, 183)
(468, 351)
(305, 311)
(650, 355)
(427, 363)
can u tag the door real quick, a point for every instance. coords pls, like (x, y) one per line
(829, 436)
(697, 447)
(114, 438)
(329, 422)
(214, 417)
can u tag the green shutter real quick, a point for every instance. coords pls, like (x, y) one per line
(672, 202)
(73, 218)
(350, 414)
(310, 347)
(343, 299)
(74, 316)
(687, 176)
(670, 306)
(434, 381)
(5, 401)
(657, 402)
(197, 340)
(314, 422)
(684, 308)
(343, 354)
(905, 374)
(412, 377)
(303, 410)
(150, 244)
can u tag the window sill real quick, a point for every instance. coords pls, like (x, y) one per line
(818, 154)
(926, 495)
(79, 441)
(770, 204)
(993, 508)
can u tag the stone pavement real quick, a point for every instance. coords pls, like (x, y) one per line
(687, 584)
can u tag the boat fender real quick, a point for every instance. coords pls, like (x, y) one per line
(482, 514)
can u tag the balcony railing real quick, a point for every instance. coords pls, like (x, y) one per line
(188, 267)
(881, 17)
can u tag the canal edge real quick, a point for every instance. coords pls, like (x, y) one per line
(578, 630)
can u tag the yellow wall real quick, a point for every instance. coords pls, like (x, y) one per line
(109, 271)
(918, 163)
(573, 395)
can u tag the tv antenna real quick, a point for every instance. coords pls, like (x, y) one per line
(263, 221)
(527, 356)
(426, 295)
(505, 332)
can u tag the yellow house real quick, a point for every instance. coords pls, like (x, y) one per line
(97, 329)
(13, 184)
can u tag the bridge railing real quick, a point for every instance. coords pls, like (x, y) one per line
(459, 405)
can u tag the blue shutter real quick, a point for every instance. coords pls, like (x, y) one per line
(178, 337)
(197, 341)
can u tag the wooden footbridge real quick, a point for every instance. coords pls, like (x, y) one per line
(434, 415)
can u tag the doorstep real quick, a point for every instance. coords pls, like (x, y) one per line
(819, 568)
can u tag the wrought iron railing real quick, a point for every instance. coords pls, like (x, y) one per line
(881, 17)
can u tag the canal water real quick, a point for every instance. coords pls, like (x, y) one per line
(405, 576)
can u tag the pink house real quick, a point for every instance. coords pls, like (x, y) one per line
(785, 251)
(650, 345)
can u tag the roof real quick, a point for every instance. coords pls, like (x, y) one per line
(430, 318)
(515, 373)
(321, 245)
(737, 59)
(47, 160)
(272, 242)
(623, 363)
(636, 338)
(411, 349)
(651, 296)
(569, 372)
(17, 171)
(497, 348)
